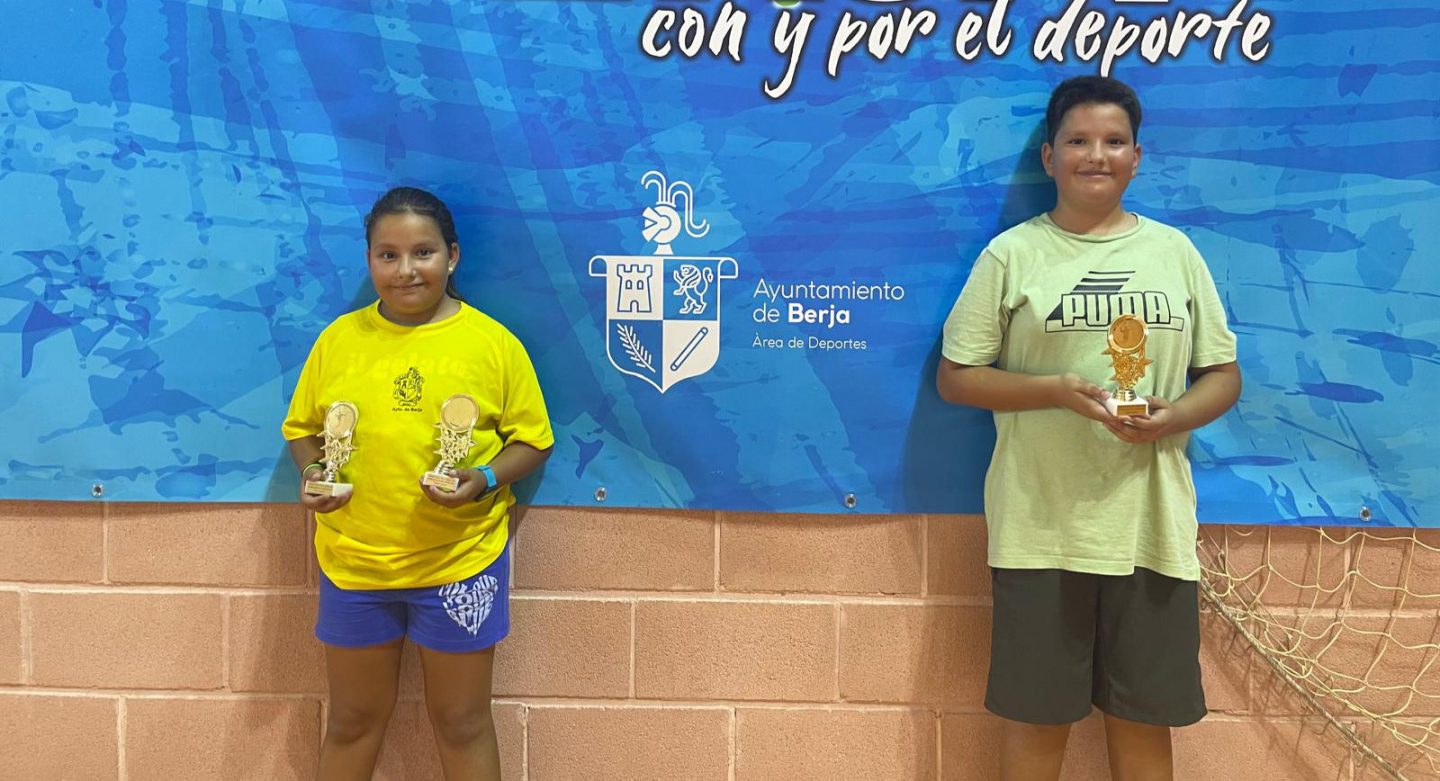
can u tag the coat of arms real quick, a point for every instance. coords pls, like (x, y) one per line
(662, 311)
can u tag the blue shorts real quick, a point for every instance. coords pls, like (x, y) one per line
(469, 615)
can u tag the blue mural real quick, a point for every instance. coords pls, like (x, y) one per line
(183, 185)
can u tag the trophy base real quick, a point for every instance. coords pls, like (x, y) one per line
(440, 480)
(1124, 408)
(324, 488)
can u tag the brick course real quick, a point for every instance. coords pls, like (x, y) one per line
(645, 644)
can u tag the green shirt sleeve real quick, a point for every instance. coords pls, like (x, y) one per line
(1212, 340)
(975, 329)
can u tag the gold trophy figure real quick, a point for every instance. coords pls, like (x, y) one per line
(340, 422)
(458, 416)
(1126, 339)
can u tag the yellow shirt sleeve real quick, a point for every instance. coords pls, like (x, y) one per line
(524, 418)
(305, 417)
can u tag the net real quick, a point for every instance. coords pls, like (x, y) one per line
(1348, 620)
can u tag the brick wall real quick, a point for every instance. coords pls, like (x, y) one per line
(174, 641)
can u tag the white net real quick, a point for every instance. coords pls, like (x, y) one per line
(1349, 620)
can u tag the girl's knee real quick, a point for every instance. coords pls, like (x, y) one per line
(462, 724)
(348, 724)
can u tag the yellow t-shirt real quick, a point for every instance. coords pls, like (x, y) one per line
(390, 535)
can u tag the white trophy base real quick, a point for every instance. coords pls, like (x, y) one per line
(323, 488)
(1124, 408)
(445, 482)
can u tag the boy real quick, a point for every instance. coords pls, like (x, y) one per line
(1091, 517)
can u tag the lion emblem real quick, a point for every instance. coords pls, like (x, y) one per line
(692, 283)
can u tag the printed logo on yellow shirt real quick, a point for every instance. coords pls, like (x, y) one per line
(408, 387)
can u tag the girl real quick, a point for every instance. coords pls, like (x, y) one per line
(400, 558)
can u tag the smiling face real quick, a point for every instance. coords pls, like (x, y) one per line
(1093, 158)
(410, 266)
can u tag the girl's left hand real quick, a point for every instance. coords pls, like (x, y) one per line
(1140, 429)
(472, 483)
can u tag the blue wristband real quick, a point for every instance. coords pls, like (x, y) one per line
(489, 473)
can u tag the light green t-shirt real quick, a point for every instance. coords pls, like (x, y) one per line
(1062, 492)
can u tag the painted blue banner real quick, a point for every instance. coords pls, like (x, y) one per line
(728, 233)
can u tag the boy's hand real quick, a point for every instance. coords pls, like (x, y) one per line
(472, 483)
(1082, 397)
(320, 504)
(1139, 429)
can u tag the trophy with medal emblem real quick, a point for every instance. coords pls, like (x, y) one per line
(458, 416)
(338, 432)
(1126, 348)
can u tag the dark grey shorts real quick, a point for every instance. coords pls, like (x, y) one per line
(1062, 641)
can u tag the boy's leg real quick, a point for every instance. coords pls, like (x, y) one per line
(363, 683)
(1031, 752)
(457, 696)
(1041, 647)
(1138, 752)
(1147, 669)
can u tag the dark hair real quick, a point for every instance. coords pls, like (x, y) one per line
(1083, 90)
(413, 200)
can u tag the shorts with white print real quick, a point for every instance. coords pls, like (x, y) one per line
(468, 615)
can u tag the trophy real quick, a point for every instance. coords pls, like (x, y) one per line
(1127, 354)
(458, 416)
(339, 428)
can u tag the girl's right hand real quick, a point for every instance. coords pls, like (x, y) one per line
(1082, 397)
(321, 504)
